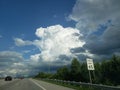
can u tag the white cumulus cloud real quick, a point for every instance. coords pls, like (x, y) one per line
(54, 42)
(20, 42)
(57, 40)
(11, 63)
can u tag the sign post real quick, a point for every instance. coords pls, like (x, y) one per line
(90, 66)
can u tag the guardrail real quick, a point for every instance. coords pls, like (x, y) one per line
(82, 84)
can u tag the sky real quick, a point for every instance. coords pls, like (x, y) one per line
(38, 34)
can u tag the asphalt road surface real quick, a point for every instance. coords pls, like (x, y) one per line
(29, 84)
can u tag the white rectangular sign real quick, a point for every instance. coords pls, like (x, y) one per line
(90, 64)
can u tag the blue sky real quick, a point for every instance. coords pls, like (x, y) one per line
(20, 18)
(36, 34)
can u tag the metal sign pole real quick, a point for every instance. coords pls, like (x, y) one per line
(90, 76)
(94, 75)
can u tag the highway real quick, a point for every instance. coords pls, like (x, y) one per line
(29, 84)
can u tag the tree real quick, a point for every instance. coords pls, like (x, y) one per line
(84, 73)
(97, 72)
(75, 70)
(115, 70)
(63, 73)
(111, 71)
(44, 75)
(41, 75)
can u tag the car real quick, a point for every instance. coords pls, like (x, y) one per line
(8, 78)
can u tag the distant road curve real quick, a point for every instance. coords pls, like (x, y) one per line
(29, 84)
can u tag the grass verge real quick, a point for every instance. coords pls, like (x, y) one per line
(76, 87)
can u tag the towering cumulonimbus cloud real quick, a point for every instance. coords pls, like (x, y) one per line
(53, 42)
(57, 40)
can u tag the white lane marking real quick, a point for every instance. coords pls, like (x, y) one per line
(38, 84)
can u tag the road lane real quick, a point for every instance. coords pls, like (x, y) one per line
(24, 84)
(30, 84)
(38, 84)
(2, 82)
(6, 84)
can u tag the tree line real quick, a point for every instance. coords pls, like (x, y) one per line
(106, 72)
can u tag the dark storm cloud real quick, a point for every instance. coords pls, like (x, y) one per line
(64, 57)
(107, 43)
(99, 22)
(81, 57)
(77, 50)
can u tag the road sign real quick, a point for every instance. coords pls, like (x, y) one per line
(90, 64)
